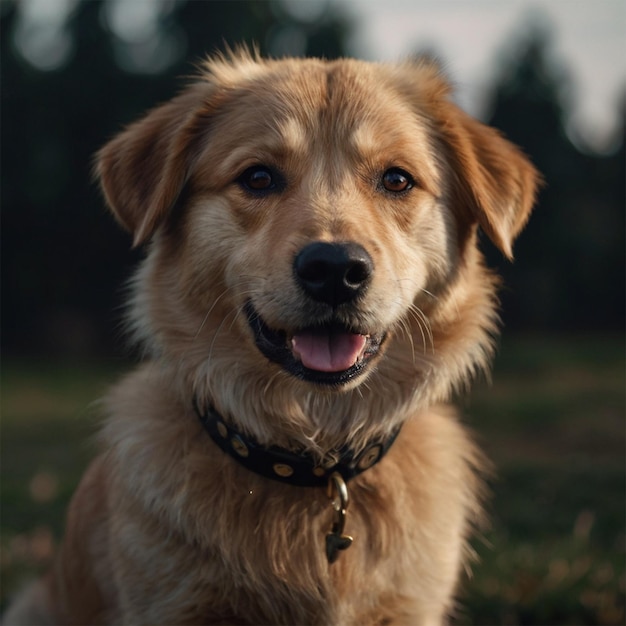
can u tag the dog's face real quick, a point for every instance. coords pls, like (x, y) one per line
(313, 222)
(325, 194)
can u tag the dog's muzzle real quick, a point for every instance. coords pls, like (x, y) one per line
(332, 277)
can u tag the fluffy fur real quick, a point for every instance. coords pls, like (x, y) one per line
(165, 528)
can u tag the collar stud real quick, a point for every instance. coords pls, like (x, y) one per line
(283, 470)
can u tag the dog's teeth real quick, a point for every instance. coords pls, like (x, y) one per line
(361, 355)
(292, 345)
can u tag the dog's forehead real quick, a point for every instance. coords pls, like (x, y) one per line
(340, 96)
(296, 106)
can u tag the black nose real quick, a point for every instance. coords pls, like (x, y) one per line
(333, 273)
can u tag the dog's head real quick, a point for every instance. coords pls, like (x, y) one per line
(313, 226)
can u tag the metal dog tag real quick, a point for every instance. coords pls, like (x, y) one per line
(335, 539)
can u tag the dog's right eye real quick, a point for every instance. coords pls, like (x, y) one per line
(259, 178)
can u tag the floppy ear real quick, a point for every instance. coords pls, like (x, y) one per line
(143, 170)
(494, 180)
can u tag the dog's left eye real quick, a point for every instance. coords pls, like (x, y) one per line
(397, 180)
(259, 178)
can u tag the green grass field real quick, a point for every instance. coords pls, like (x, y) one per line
(552, 421)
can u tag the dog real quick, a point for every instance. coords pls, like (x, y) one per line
(311, 297)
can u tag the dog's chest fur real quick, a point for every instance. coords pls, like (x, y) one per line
(236, 545)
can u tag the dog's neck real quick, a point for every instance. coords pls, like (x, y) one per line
(277, 463)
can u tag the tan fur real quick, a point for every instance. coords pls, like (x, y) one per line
(167, 529)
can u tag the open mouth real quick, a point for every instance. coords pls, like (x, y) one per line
(329, 354)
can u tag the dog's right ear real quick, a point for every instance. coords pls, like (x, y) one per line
(143, 170)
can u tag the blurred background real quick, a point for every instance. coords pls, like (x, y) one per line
(551, 74)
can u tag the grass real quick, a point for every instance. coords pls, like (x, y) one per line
(48, 421)
(552, 422)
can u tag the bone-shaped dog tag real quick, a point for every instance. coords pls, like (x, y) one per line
(335, 541)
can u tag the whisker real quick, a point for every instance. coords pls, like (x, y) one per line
(429, 293)
(216, 301)
(409, 335)
(217, 332)
(423, 323)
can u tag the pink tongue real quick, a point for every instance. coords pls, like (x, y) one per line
(327, 351)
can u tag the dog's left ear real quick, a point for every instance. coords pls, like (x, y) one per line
(494, 180)
(143, 170)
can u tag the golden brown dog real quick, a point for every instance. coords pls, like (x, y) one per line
(312, 291)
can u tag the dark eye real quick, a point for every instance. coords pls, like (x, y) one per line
(259, 178)
(397, 180)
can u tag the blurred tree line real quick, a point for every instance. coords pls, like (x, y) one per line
(64, 259)
(572, 269)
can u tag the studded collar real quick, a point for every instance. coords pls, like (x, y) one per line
(285, 466)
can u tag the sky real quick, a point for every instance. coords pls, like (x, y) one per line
(472, 36)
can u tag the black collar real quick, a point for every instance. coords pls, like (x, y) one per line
(285, 466)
